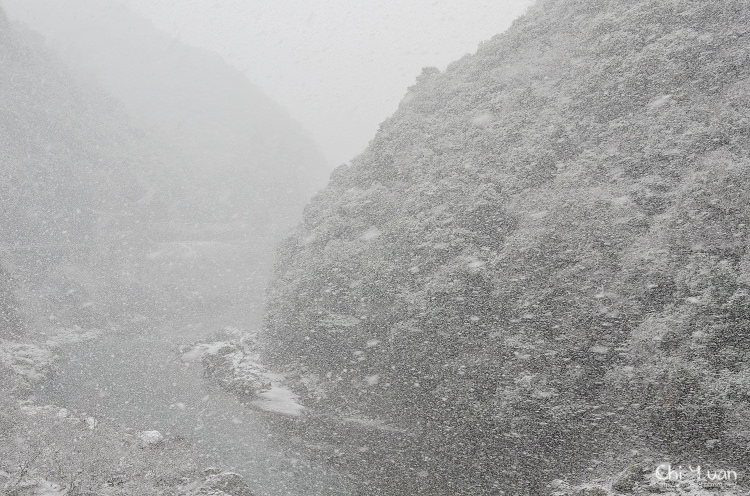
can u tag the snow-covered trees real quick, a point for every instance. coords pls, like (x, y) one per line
(560, 221)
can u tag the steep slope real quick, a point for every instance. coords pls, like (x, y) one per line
(236, 169)
(539, 266)
(54, 182)
(72, 163)
(240, 156)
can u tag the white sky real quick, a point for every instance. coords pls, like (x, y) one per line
(339, 66)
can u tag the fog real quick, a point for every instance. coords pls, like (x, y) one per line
(158, 154)
(329, 248)
(340, 68)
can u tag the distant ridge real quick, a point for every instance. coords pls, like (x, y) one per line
(225, 176)
(237, 153)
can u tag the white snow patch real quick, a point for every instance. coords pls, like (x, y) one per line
(482, 119)
(370, 234)
(542, 394)
(46, 488)
(197, 352)
(660, 101)
(91, 423)
(279, 399)
(539, 215)
(150, 438)
(476, 264)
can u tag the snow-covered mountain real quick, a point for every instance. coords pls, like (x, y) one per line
(236, 154)
(540, 265)
(68, 156)
(191, 182)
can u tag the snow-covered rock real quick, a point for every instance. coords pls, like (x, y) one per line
(217, 483)
(148, 439)
(279, 399)
(34, 361)
(227, 483)
(235, 366)
(27, 360)
(35, 487)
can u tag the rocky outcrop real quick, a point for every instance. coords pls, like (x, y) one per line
(234, 365)
(224, 483)
(35, 360)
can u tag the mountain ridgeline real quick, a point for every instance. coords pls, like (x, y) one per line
(237, 155)
(164, 172)
(54, 181)
(540, 264)
(72, 163)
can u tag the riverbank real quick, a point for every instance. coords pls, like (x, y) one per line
(137, 379)
(48, 450)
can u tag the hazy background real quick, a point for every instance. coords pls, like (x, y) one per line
(151, 183)
(339, 67)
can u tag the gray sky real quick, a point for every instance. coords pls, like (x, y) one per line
(339, 66)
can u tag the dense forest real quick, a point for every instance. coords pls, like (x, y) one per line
(539, 266)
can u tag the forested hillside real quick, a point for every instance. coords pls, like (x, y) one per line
(540, 265)
(187, 180)
(237, 154)
(236, 170)
(54, 182)
(68, 157)
(72, 163)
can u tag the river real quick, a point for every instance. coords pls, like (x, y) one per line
(137, 380)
